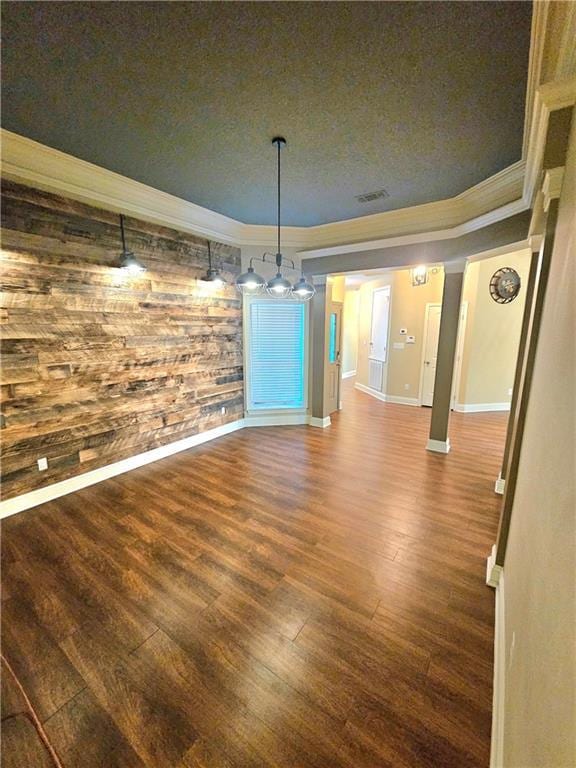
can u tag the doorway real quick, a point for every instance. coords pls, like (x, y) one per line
(334, 362)
(379, 333)
(430, 352)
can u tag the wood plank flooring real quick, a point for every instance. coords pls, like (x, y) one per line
(290, 597)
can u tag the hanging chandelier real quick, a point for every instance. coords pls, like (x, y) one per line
(279, 286)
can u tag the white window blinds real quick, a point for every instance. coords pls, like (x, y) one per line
(277, 355)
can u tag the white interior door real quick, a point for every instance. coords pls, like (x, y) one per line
(380, 323)
(430, 352)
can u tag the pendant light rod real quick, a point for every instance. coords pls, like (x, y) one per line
(280, 142)
(123, 233)
(273, 260)
(278, 146)
(128, 260)
(279, 287)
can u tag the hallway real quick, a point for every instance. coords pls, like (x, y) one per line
(283, 596)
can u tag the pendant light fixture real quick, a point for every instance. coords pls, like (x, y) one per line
(128, 260)
(303, 289)
(213, 275)
(250, 282)
(279, 286)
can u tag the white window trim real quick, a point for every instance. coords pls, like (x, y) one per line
(255, 412)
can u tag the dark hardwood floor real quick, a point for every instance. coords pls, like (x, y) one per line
(290, 597)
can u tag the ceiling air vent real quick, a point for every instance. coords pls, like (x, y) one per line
(368, 197)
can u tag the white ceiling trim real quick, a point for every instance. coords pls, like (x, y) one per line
(49, 169)
(508, 192)
(504, 212)
(552, 185)
(489, 197)
(549, 97)
(566, 56)
(559, 92)
(544, 43)
(537, 45)
(30, 162)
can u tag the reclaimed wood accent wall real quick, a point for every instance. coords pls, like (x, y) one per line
(98, 366)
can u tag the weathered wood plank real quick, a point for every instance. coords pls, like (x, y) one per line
(98, 365)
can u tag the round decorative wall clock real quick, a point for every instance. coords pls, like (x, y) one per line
(504, 285)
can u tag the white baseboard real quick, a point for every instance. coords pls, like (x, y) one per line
(493, 571)
(369, 391)
(499, 691)
(481, 407)
(438, 446)
(500, 485)
(386, 398)
(348, 374)
(316, 421)
(402, 400)
(54, 491)
(286, 419)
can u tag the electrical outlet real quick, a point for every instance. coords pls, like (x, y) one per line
(42, 464)
(406, 386)
(510, 392)
(223, 410)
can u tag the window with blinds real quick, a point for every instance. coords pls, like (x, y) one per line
(276, 341)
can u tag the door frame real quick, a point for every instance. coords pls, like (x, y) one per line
(460, 339)
(338, 308)
(388, 290)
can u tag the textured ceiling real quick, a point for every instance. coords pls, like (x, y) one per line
(422, 99)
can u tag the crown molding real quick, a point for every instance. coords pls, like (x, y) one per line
(540, 10)
(421, 237)
(264, 235)
(490, 197)
(504, 194)
(29, 162)
(552, 59)
(552, 185)
(556, 34)
(535, 242)
(552, 56)
(549, 97)
(35, 164)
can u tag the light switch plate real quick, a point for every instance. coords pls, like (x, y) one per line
(399, 345)
(42, 464)
(411, 340)
(403, 331)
